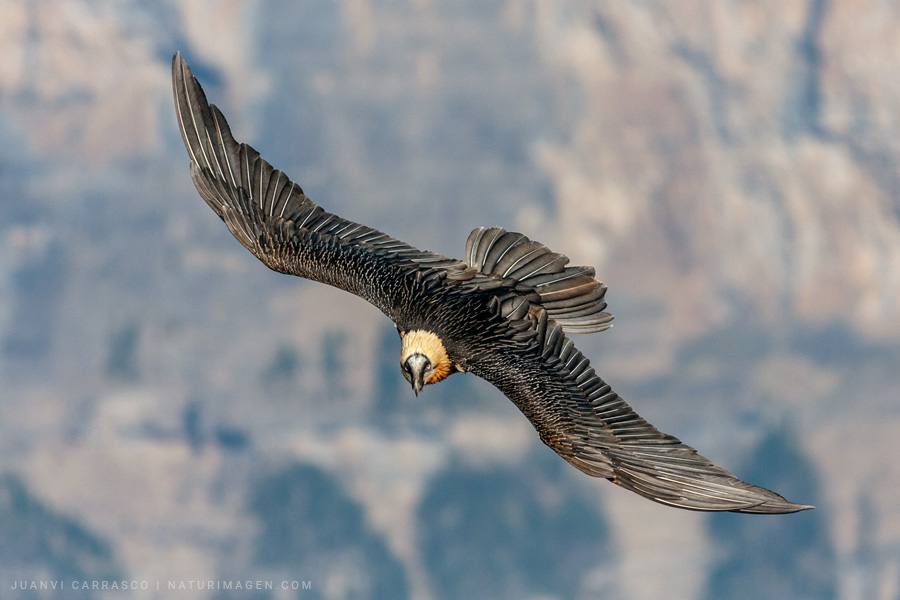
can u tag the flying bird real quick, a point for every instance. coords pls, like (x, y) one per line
(503, 313)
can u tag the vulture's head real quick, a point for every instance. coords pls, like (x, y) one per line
(423, 358)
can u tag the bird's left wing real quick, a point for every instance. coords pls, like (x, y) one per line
(578, 415)
(272, 217)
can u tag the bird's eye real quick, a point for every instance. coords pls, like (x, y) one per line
(428, 367)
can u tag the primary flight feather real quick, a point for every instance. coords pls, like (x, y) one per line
(502, 314)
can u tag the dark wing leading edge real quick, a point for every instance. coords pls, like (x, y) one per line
(578, 415)
(272, 217)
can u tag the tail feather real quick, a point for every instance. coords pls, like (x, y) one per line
(542, 263)
(570, 295)
(504, 244)
(518, 255)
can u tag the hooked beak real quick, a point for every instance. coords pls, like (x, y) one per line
(415, 366)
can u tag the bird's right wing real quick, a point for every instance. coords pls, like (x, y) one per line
(272, 217)
(578, 415)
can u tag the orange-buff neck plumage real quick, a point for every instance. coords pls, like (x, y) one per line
(429, 344)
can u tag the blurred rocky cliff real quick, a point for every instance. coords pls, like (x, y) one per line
(732, 170)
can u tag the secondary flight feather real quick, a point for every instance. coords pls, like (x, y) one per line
(502, 314)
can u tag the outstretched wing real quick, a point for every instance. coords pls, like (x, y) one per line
(578, 415)
(272, 217)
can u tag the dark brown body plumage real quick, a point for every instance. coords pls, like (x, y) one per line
(501, 314)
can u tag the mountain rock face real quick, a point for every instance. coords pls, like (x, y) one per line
(731, 169)
(743, 141)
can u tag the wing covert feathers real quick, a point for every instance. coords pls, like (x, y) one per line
(570, 295)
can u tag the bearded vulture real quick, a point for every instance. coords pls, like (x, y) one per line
(503, 313)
